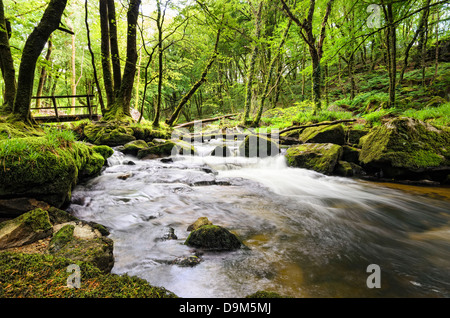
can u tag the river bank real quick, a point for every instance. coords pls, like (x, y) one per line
(144, 199)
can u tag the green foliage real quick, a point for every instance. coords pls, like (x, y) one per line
(439, 116)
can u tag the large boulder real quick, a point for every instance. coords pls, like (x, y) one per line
(407, 148)
(110, 134)
(45, 169)
(214, 238)
(25, 229)
(334, 134)
(165, 148)
(78, 241)
(258, 146)
(133, 147)
(316, 156)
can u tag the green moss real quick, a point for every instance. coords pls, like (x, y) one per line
(103, 150)
(37, 219)
(324, 134)
(61, 238)
(265, 294)
(213, 237)
(406, 143)
(45, 276)
(45, 168)
(318, 157)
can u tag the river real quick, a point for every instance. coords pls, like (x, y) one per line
(308, 235)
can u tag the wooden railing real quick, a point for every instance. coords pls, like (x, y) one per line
(61, 116)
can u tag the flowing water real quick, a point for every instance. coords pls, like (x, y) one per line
(308, 235)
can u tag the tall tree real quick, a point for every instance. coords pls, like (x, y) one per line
(34, 45)
(119, 108)
(315, 44)
(6, 64)
(251, 67)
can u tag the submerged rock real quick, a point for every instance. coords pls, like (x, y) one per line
(407, 148)
(214, 238)
(318, 157)
(187, 261)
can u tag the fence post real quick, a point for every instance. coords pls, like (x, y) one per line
(89, 106)
(55, 107)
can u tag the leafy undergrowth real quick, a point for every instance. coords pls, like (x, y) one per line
(46, 276)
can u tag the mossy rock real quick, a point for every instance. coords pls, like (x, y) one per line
(348, 169)
(213, 238)
(265, 294)
(110, 134)
(25, 229)
(35, 167)
(334, 134)
(354, 135)
(350, 154)
(165, 149)
(199, 223)
(104, 151)
(318, 157)
(221, 151)
(133, 147)
(45, 276)
(258, 146)
(405, 145)
(97, 251)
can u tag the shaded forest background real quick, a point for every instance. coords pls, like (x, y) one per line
(332, 59)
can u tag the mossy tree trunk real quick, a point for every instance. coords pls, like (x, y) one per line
(251, 68)
(391, 47)
(120, 108)
(315, 44)
(269, 76)
(105, 49)
(159, 24)
(6, 64)
(196, 86)
(33, 47)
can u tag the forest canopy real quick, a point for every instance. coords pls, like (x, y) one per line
(177, 61)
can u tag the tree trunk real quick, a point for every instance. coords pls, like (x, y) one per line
(269, 76)
(391, 48)
(416, 34)
(194, 88)
(43, 75)
(6, 65)
(33, 47)
(121, 106)
(114, 46)
(315, 45)
(251, 68)
(105, 49)
(159, 23)
(97, 84)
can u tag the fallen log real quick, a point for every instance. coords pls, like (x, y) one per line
(206, 120)
(318, 124)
